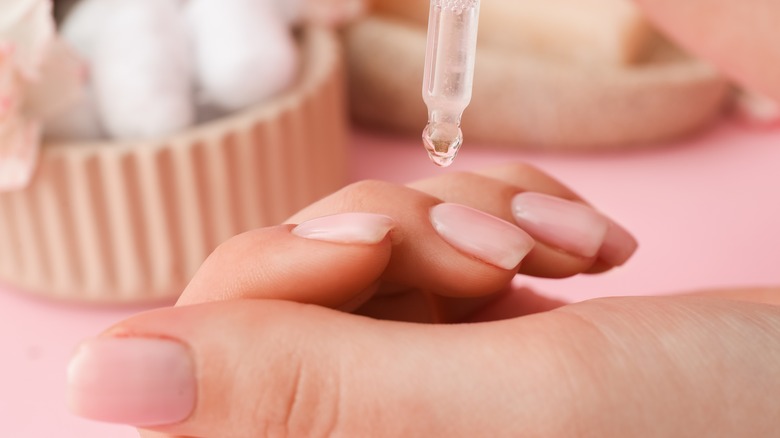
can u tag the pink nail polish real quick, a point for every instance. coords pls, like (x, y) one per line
(481, 235)
(572, 227)
(349, 228)
(619, 245)
(135, 381)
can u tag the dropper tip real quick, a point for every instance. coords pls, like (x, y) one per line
(442, 143)
(441, 161)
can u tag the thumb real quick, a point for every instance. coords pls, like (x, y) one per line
(273, 368)
(239, 369)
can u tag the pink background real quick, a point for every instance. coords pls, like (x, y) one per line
(706, 212)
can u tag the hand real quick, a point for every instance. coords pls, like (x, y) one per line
(252, 366)
(737, 36)
(458, 270)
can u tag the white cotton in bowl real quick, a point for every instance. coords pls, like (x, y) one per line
(244, 51)
(142, 70)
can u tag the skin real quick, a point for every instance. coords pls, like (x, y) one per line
(618, 367)
(525, 366)
(738, 37)
(699, 364)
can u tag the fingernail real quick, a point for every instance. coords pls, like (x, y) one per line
(572, 227)
(357, 228)
(134, 381)
(481, 235)
(619, 245)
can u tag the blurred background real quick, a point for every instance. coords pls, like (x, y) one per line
(136, 135)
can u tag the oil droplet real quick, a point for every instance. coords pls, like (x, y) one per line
(443, 141)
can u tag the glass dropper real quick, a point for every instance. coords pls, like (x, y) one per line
(449, 75)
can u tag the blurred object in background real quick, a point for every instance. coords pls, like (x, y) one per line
(127, 221)
(39, 76)
(262, 59)
(153, 62)
(324, 12)
(552, 74)
(158, 67)
(139, 59)
(62, 7)
(611, 32)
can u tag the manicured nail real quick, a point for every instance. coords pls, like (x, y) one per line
(358, 228)
(135, 381)
(481, 235)
(619, 245)
(572, 227)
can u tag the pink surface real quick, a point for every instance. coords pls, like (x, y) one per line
(706, 212)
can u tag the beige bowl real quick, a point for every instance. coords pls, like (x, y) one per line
(530, 102)
(131, 222)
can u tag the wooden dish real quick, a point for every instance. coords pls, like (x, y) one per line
(530, 102)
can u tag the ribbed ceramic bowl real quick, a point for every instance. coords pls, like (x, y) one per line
(131, 222)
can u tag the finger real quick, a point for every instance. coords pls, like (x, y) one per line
(444, 249)
(571, 237)
(545, 260)
(736, 36)
(333, 262)
(264, 264)
(765, 295)
(434, 248)
(619, 245)
(260, 368)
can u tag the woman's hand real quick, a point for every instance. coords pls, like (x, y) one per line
(235, 361)
(628, 367)
(737, 36)
(441, 248)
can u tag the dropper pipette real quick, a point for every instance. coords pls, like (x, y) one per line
(449, 75)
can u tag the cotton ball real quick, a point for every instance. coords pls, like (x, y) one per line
(245, 52)
(87, 19)
(85, 22)
(142, 70)
(80, 30)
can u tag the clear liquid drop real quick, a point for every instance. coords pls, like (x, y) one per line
(443, 141)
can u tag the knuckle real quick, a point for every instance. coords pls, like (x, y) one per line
(230, 251)
(355, 194)
(367, 196)
(451, 186)
(373, 196)
(452, 177)
(364, 196)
